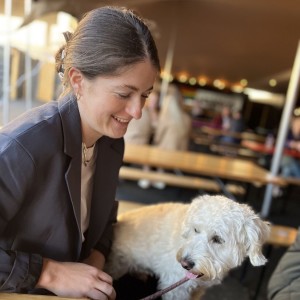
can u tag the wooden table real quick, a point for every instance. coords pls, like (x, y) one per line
(198, 163)
(215, 132)
(260, 147)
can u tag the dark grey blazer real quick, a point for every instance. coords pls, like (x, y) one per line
(40, 176)
(284, 282)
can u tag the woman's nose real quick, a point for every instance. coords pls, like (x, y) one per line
(134, 109)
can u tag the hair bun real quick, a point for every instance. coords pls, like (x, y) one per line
(68, 35)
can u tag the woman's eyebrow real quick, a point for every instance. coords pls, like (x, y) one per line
(136, 89)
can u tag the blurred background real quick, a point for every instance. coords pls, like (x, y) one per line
(220, 51)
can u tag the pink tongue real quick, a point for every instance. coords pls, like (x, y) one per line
(190, 275)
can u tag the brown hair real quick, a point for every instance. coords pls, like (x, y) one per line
(106, 40)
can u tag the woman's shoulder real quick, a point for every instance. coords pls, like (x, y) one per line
(47, 116)
(31, 120)
(39, 128)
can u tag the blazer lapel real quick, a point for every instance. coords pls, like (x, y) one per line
(71, 125)
(73, 178)
(105, 183)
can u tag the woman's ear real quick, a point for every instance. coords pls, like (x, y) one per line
(76, 79)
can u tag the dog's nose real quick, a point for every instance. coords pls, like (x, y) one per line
(187, 264)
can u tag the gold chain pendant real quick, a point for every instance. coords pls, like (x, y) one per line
(84, 152)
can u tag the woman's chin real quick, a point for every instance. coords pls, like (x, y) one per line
(117, 134)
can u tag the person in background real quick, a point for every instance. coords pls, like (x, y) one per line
(197, 111)
(140, 132)
(60, 162)
(222, 120)
(174, 125)
(290, 166)
(237, 121)
(237, 126)
(284, 282)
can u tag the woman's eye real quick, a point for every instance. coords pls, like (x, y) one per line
(124, 96)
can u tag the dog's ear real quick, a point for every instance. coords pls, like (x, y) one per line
(257, 232)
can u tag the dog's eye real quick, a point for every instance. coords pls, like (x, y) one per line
(197, 230)
(217, 239)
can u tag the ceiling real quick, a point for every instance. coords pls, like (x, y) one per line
(229, 40)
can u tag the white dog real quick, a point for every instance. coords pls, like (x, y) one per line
(210, 236)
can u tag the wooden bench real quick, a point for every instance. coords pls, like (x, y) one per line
(184, 181)
(282, 236)
(233, 150)
(291, 180)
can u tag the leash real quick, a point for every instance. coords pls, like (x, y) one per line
(187, 277)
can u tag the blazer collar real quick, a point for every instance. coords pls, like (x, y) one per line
(71, 125)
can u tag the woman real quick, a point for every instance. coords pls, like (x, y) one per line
(173, 127)
(290, 166)
(174, 124)
(139, 132)
(51, 238)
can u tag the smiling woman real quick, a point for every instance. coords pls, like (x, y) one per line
(60, 162)
(107, 104)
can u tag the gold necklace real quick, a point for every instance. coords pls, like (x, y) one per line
(84, 152)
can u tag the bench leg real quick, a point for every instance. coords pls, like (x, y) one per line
(224, 189)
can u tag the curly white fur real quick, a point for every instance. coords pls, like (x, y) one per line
(211, 235)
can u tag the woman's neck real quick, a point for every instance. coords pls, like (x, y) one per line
(89, 135)
(89, 139)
